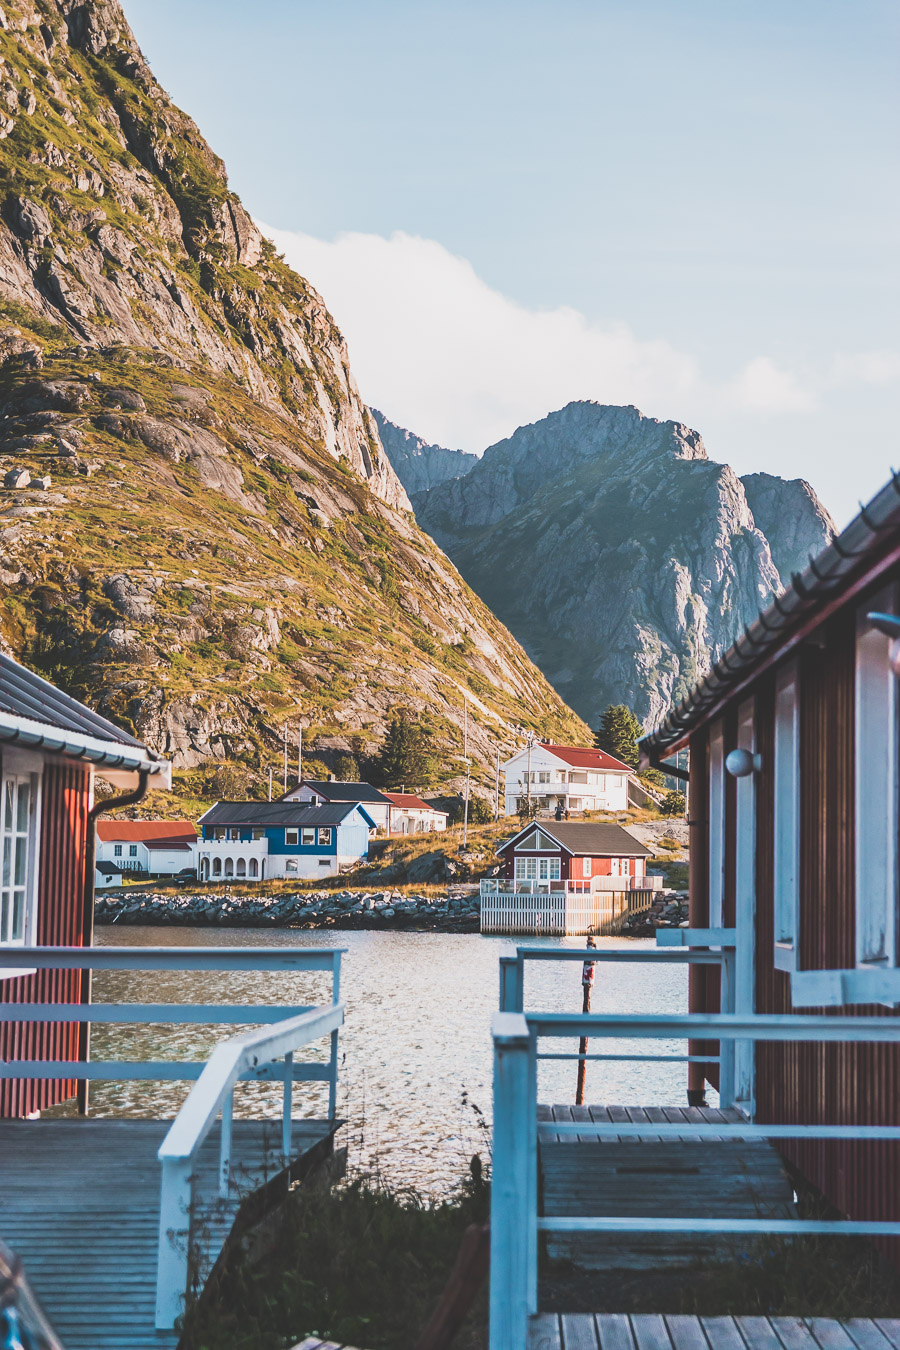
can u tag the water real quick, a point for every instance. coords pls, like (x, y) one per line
(415, 1052)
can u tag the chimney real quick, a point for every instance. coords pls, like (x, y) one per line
(331, 778)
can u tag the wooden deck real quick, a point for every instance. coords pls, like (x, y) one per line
(79, 1203)
(609, 1331)
(684, 1177)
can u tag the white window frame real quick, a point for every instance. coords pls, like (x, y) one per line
(716, 842)
(526, 869)
(291, 836)
(876, 787)
(308, 836)
(117, 850)
(786, 842)
(324, 837)
(22, 767)
(587, 867)
(132, 850)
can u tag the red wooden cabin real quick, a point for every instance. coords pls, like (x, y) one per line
(51, 746)
(548, 851)
(793, 805)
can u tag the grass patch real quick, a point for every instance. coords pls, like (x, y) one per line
(362, 1264)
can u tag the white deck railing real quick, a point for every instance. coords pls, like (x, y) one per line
(515, 1223)
(262, 1055)
(558, 908)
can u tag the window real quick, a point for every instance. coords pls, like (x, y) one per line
(234, 833)
(257, 833)
(324, 838)
(117, 850)
(292, 837)
(526, 869)
(132, 850)
(291, 865)
(537, 869)
(218, 832)
(20, 794)
(543, 777)
(876, 724)
(586, 867)
(786, 775)
(309, 836)
(578, 777)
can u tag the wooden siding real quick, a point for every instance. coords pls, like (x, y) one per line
(809, 1083)
(60, 922)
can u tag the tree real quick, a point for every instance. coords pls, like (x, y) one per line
(673, 804)
(655, 777)
(346, 769)
(618, 734)
(480, 811)
(404, 757)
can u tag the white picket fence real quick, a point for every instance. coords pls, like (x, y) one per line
(559, 913)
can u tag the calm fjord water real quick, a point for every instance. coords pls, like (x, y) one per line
(415, 1049)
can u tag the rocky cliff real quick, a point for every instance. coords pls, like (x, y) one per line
(200, 532)
(618, 553)
(418, 465)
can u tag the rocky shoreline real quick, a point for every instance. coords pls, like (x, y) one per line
(455, 912)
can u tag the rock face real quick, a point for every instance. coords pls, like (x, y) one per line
(226, 549)
(618, 553)
(418, 465)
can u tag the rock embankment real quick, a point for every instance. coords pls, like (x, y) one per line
(455, 912)
(670, 910)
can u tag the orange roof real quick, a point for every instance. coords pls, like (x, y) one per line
(583, 757)
(410, 801)
(141, 831)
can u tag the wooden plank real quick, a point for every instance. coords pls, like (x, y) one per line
(793, 1333)
(614, 1331)
(722, 1333)
(757, 1333)
(865, 1334)
(640, 1117)
(830, 1334)
(890, 1327)
(686, 1332)
(578, 1331)
(649, 1330)
(544, 1333)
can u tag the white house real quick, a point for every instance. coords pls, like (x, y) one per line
(410, 815)
(374, 803)
(566, 778)
(255, 841)
(158, 847)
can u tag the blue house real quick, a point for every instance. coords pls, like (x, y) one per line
(258, 840)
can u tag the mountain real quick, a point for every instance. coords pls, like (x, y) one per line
(214, 546)
(623, 559)
(418, 465)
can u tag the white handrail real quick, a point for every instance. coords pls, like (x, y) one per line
(212, 1093)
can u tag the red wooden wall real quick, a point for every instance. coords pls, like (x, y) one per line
(60, 923)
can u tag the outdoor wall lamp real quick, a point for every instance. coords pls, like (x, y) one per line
(889, 624)
(741, 763)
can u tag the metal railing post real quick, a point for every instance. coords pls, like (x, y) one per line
(511, 994)
(333, 1057)
(174, 1241)
(512, 1188)
(287, 1104)
(225, 1146)
(532, 1197)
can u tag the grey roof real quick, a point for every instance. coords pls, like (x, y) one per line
(279, 813)
(346, 792)
(587, 837)
(25, 694)
(108, 869)
(870, 534)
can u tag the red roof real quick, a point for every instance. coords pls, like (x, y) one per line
(409, 801)
(143, 831)
(582, 757)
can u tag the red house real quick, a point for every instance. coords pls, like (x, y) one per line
(568, 851)
(51, 747)
(794, 809)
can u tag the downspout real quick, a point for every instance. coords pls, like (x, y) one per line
(87, 920)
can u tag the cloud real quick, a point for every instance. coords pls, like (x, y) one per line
(876, 368)
(441, 352)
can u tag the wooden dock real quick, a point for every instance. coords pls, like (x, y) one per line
(608, 1331)
(686, 1177)
(80, 1204)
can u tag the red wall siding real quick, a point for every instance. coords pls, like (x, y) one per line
(64, 810)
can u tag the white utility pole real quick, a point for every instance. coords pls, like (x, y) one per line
(530, 735)
(270, 782)
(299, 754)
(497, 788)
(285, 757)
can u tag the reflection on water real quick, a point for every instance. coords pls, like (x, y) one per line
(416, 1037)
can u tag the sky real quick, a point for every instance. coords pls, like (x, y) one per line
(690, 205)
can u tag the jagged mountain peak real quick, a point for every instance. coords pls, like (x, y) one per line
(418, 464)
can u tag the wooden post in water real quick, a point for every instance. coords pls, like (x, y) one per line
(587, 982)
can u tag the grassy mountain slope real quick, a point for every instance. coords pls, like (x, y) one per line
(224, 549)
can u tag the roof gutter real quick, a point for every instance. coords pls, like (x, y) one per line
(807, 594)
(24, 731)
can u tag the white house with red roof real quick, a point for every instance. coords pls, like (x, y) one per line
(565, 778)
(158, 847)
(411, 815)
